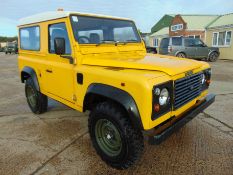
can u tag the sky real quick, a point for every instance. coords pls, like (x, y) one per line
(144, 12)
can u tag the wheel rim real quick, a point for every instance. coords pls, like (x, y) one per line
(31, 96)
(213, 57)
(108, 137)
(181, 55)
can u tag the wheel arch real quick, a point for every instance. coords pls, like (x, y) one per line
(30, 72)
(97, 93)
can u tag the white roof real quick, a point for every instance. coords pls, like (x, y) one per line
(56, 15)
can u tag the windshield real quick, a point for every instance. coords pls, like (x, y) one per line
(93, 30)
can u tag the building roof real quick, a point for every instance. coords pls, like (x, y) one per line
(222, 21)
(56, 15)
(194, 21)
(165, 21)
(198, 22)
(163, 31)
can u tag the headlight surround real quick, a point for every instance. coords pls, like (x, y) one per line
(164, 97)
(205, 79)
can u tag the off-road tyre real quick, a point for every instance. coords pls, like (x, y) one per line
(37, 101)
(131, 138)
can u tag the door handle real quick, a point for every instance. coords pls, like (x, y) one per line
(49, 71)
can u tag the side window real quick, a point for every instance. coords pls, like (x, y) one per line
(58, 31)
(189, 42)
(30, 38)
(176, 41)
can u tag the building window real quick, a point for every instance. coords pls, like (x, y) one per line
(30, 38)
(191, 36)
(155, 43)
(215, 39)
(222, 38)
(195, 36)
(228, 38)
(176, 27)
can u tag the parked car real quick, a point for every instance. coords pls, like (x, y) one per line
(2, 49)
(151, 50)
(11, 48)
(188, 48)
(99, 63)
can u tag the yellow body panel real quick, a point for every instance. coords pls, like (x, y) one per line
(139, 71)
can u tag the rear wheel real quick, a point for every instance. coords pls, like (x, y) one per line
(113, 137)
(37, 101)
(213, 57)
(181, 55)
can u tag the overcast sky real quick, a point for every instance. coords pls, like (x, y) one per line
(144, 12)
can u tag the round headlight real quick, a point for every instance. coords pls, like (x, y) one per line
(164, 97)
(203, 79)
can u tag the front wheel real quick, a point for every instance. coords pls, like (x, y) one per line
(37, 101)
(113, 136)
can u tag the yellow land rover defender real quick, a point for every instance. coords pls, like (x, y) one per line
(99, 63)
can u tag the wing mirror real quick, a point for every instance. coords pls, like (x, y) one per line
(60, 46)
(60, 49)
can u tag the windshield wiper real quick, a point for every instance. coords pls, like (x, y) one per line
(116, 42)
(132, 41)
(106, 42)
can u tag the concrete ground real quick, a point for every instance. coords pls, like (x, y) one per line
(57, 142)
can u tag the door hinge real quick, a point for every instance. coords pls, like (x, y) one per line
(74, 98)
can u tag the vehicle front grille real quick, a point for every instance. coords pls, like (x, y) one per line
(186, 89)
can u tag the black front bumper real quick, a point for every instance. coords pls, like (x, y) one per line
(189, 115)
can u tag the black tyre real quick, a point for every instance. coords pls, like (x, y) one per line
(37, 101)
(113, 137)
(213, 57)
(181, 55)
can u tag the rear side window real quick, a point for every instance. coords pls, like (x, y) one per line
(164, 43)
(30, 38)
(176, 41)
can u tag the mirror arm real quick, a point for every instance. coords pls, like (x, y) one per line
(68, 57)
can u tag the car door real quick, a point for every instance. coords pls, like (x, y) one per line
(189, 47)
(59, 72)
(201, 49)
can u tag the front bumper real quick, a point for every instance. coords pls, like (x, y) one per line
(188, 116)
